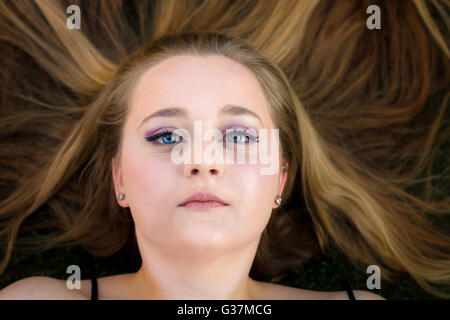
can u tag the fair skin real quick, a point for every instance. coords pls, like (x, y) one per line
(195, 261)
(186, 253)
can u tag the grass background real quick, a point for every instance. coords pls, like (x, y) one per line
(324, 273)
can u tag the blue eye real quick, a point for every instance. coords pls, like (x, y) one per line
(166, 136)
(240, 133)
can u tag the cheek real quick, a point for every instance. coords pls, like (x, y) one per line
(255, 192)
(148, 180)
(144, 177)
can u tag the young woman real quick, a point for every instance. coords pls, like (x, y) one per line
(113, 176)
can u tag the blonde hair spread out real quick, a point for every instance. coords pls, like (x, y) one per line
(352, 105)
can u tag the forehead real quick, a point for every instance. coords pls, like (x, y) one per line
(200, 84)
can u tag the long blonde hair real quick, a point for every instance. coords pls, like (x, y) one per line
(344, 116)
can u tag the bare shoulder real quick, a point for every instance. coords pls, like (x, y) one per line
(366, 295)
(359, 295)
(42, 288)
(274, 291)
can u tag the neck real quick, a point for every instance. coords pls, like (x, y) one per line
(192, 275)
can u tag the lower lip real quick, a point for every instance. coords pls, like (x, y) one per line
(203, 205)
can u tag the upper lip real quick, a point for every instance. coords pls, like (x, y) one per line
(203, 196)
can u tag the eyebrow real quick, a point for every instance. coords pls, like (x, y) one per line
(173, 112)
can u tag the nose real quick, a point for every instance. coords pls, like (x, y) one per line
(203, 170)
(202, 163)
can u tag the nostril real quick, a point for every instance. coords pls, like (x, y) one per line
(213, 171)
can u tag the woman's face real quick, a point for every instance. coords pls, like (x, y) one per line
(155, 186)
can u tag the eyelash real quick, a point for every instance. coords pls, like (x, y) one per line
(165, 132)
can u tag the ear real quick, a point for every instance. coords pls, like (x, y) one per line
(118, 184)
(283, 178)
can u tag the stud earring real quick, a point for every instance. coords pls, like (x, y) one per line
(121, 196)
(278, 201)
(284, 169)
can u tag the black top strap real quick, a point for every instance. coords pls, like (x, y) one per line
(350, 294)
(94, 291)
(346, 285)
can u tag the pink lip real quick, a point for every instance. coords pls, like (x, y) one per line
(203, 205)
(203, 200)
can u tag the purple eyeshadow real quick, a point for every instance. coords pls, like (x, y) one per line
(228, 129)
(150, 133)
